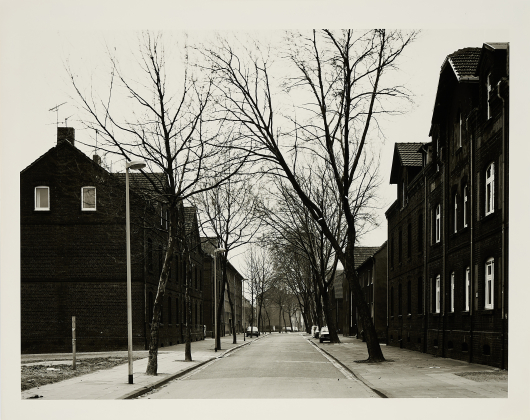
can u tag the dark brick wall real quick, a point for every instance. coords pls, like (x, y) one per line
(73, 262)
(479, 335)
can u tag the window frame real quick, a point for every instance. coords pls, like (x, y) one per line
(453, 291)
(83, 208)
(489, 288)
(490, 189)
(438, 294)
(465, 206)
(467, 292)
(35, 198)
(438, 224)
(488, 90)
(456, 214)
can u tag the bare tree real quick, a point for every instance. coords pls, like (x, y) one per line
(146, 116)
(340, 77)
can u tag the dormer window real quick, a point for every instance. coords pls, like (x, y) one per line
(88, 198)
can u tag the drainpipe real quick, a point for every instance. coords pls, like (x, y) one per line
(471, 235)
(425, 248)
(444, 255)
(503, 246)
(387, 289)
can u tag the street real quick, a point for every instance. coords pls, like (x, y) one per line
(275, 366)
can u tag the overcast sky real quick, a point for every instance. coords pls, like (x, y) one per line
(42, 83)
(35, 38)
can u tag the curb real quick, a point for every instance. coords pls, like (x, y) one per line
(360, 378)
(145, 389)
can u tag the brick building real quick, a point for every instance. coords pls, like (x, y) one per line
(235, 280)
(349, 322)
(73, 256)
(448, 228)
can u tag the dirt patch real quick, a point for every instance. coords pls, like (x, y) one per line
(498, 376)
(46, 373)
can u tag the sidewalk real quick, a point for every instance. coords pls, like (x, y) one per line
(410, 374)
(113, 383)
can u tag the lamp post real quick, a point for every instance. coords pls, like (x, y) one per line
(215, 290)
(131, 165)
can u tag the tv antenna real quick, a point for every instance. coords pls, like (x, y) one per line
(66, 121)
(56, 109)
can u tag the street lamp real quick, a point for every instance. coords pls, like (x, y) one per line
(215, 290)
(131, 165)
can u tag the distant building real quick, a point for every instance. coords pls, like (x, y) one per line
(209, 245)
(448, 228)
(349, 320)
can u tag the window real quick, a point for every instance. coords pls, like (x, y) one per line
(438, 222)
(167, 219)
(456, 213)
(490, 191)
(488, 304)
(452, 292)
(42, 198)
(467, 293)
(465, 206)
(88, 198)
(488, 90)
(438, 295)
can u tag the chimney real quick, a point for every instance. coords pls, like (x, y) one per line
(97, 159)
(65, 134)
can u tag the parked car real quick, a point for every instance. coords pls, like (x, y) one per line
(252, 331)
(324, 334)
(314, 331)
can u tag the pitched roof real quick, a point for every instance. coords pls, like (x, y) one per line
(409, 154)
(145, 182)
(464, 62)
(208, 244)
(405, 154)
(189, 218)
(361, 254)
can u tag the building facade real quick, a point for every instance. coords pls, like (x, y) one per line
(73, 257)
(448, 229)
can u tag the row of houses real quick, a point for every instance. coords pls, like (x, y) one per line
(439, 284)
(73, 259)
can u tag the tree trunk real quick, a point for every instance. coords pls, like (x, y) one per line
(372, 343)
(234, 338)
(220, 301)
(152, 364)
(189, 320)
(328, 313)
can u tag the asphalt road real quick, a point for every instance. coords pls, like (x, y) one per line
(276, 366)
